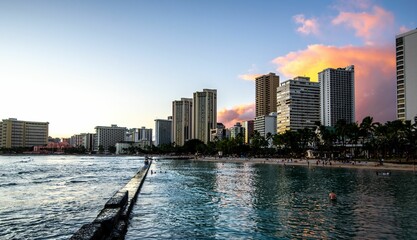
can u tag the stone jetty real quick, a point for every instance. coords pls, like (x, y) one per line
(112, 221)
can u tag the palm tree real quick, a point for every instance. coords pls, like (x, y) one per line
(367, 133)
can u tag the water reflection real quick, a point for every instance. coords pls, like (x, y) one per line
(261, 201)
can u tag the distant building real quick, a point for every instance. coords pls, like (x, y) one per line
(337, 95)
(109, 136)
(15, 133)
(163, 131)
(204, 114)
(236, 130)
(266, 124)
(218, 133)
(298, 104)
(132, 135)
(406, 51)
(249, 129)
(83, 139)
(182, 120)
(145, 136)
(266, 94)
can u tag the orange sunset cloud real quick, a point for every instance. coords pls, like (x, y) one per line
(249, 77)
(237, 114)
(374, 74)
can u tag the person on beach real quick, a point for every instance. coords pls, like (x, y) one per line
(332, 195)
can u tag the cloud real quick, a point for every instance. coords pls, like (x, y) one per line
(237, 114)
(308, 26)
(370, 26)
(374, 73)
(404, 29)
(249, 77)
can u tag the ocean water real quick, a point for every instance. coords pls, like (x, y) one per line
(206, 200)
(51, 197)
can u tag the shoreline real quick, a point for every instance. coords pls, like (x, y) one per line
(313, 163)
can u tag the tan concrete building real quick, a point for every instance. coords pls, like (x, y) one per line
(182, 120)
(266, 94)
(204, 114)
(15, 133)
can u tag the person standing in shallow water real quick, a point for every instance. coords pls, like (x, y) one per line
(332, 195)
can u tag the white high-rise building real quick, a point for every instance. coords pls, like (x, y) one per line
(163, 131)
(109, 136)
(298, 104)
(236, 130)
(182, 120)
(337, 95)
(266, 124)
(406, 51)
(204, 114)
(145, 136)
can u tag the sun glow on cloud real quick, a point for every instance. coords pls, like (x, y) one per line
(237, 114)
(249, 77)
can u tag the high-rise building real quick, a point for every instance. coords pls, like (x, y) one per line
(406, 49)
(15, 133)
(145, 136)
(109, 136)
(236, 130)
(298, 104)
(219, 133)
(266, 94)
(163, 131)
(182, 120)
(249, 129)
(337, 95)
(204, 114)
(83, 139)
(266, 124)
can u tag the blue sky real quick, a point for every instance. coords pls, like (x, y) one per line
(80, 64)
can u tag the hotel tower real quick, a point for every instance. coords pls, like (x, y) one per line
(406, 52)
(337, 95)
(181, 120)
(204, 114)
(266, 94)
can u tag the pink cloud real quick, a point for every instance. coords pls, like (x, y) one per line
(368, 26)
(237, 114)
(374, 74)
(404, 29)
(308, 26)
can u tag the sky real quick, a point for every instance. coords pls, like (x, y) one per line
(81, 64)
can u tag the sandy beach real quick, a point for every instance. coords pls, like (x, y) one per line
(314, 163)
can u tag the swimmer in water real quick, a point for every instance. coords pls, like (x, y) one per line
(332, 195)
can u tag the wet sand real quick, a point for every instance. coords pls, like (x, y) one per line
(313, 163)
